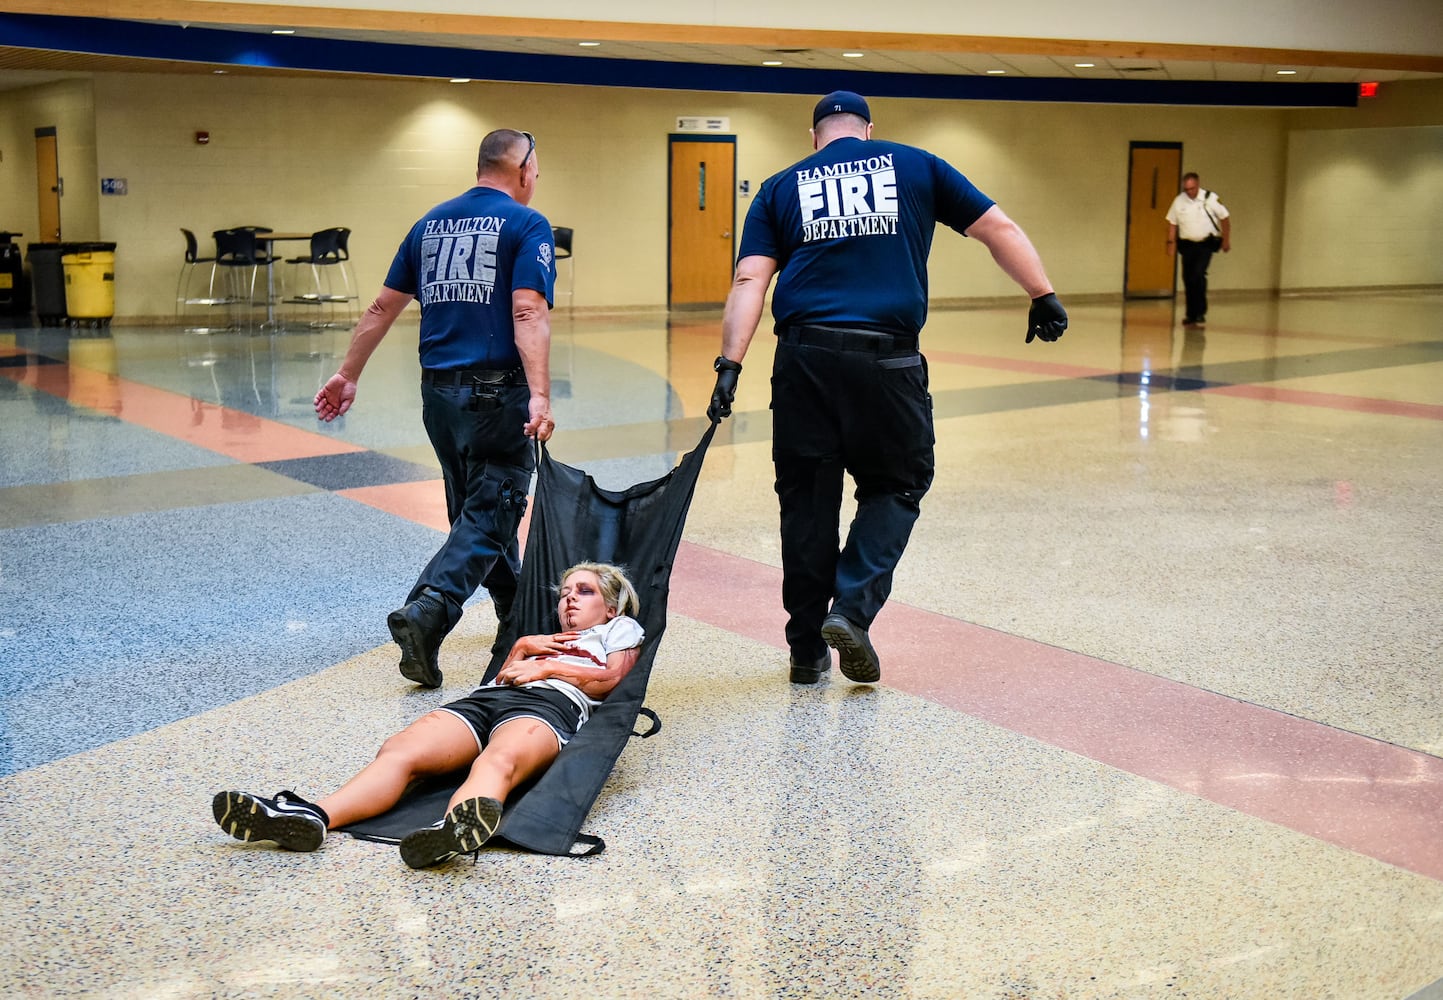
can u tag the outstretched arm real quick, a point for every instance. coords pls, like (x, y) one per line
(339, 392)
(1015, 254)
(1012, 251)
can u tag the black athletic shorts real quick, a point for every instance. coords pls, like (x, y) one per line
(487, 707)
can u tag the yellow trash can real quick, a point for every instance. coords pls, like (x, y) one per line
(89, 281)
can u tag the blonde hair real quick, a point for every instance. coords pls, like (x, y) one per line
(616, 589)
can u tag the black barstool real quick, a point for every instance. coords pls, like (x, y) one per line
(321, 284)
(188, 302)
(238, 250)
(561, 247)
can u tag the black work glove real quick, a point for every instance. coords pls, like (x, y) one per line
(1046, 319)
(726, 388)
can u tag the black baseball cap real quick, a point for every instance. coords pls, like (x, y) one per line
(840, 102)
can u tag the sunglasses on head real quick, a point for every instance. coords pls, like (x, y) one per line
(529, 149)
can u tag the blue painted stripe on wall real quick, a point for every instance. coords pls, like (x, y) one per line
(102, 36)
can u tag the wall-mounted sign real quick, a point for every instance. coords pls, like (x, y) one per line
(113, 185)
(700, 123)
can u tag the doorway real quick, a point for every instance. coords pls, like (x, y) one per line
(701, 220)
(47, 184)
(1154, 172)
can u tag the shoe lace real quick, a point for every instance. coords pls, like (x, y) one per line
(476, 854)
(292, 798)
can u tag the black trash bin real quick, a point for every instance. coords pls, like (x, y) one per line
(14, 285)
(47, 280)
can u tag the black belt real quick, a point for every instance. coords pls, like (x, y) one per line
(473, 376)
(844, 338)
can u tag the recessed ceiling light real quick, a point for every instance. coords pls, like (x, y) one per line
(853, 55)
(1084, 65)
(588, 45)
(771, 62)
(996, 72)
(1287, 72)
(220, 72)
(283, 31)
(460, 79)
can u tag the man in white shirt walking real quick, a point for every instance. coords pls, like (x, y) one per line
(1197, 226)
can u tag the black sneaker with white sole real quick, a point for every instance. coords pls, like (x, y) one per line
(465, 828)
(856, 657)
(287, 820)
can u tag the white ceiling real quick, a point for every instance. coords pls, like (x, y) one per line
(928, 62)
(20, 67)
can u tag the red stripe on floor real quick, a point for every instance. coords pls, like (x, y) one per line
(1333, 401)
(233, 433)
(423, 503)
(1268, 333)
(1373, 798)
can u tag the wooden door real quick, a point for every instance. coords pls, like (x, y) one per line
(47, 185)
(1154, 173)
(701, 221)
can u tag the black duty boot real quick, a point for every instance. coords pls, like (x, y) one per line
(418, 629)
(810, 671)
(858, 660)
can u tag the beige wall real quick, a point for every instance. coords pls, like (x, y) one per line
(1364, 207)
(304, 153)
(68, 106)
(1365, 192)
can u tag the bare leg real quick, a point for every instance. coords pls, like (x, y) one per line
(436, 743)
(518, 750)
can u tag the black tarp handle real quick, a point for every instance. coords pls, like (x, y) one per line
(594, 846)
(655, 723)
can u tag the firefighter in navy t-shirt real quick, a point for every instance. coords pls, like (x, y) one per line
(847, 232)
(483, 269)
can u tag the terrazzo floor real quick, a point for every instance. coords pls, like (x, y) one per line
(1161, 712)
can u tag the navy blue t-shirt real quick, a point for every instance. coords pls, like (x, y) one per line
(462, 261)
(851, 227)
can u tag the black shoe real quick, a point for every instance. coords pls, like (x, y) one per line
(288, 820)
(465, 828)
(858, 659)
(810, 673)
(418, 629)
